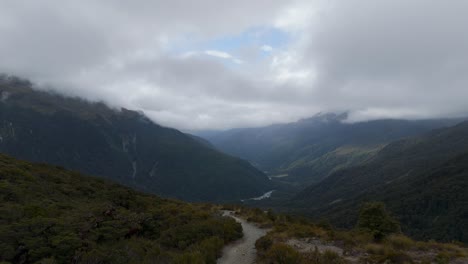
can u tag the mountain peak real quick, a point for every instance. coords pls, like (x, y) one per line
(327, 117)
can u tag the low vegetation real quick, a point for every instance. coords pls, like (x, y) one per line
(50, 215)
(375, 239)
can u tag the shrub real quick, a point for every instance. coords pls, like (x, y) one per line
(263, 244)
(374, 218)
(211, 249)
(190, 258)
(377, 249)
(400, 242)
(331, 257)
(398, 257)
(283, 254)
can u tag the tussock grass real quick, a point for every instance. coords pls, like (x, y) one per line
(355, 243)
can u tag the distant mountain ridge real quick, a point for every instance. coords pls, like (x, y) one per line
(310, 149)
(124, 146)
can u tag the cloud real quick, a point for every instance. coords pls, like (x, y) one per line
(399, 58)
(266, 48)
(391, 58)
(223, 55)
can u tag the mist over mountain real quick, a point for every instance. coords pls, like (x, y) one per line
(310, 149)
(121, 145)
(250, 63)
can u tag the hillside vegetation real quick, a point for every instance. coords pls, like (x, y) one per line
(375, 238)
(50, 215)
(121, 145)
(307, 151)
(423, 180)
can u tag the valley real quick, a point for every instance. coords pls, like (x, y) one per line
(120, 145)
(51, 215)
(309, 150)
(326, 172)
(233, 132)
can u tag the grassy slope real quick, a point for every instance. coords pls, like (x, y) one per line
(48, 213)
(310, 170)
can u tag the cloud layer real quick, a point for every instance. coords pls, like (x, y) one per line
(220, 64)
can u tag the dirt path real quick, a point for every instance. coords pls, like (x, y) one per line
(242, 251)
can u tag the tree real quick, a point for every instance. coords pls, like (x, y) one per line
(374, 218)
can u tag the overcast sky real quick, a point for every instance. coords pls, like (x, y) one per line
(216, 64)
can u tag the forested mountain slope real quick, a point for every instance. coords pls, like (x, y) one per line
(423, 180)
(124, 146)
(309, 150)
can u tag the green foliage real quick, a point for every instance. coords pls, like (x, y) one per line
(354, 244)
(283, 254)
(374, 218)
(263, 244)
(49, 215)
(422, 181)
(400, 242)
(442, 258)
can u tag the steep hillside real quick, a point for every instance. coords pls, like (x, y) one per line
(124, 146)
(309, 150)
(50, 215)
(423, 180)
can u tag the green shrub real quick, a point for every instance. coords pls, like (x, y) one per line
(263, 244)
(211, 249)
(398, 257)
(46, 261)
(331, 257)
(400, 242)
(374, 218)
(283, 254)
(49, 214)
(190, 258)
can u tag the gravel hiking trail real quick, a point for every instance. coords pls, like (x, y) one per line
(243, 250)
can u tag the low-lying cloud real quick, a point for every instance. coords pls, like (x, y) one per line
(191, 64)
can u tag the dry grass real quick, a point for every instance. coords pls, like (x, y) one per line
(395, 248)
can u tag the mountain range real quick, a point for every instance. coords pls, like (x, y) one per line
(307, 151)
(323, 167)
(121, 145)
(418, 169)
